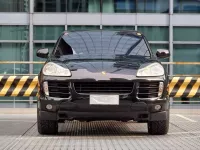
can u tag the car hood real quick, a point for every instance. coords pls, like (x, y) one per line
(105, 69)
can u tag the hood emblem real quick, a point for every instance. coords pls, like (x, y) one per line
(103, 72)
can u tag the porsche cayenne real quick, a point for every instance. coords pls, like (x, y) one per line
(103, 75)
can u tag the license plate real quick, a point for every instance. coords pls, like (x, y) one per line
(104, 99)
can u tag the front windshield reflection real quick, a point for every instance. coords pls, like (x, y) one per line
(110, 43)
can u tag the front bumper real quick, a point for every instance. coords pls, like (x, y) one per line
(77, 107)
(138, 111)
(90, 116)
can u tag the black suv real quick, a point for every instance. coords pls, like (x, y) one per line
(103, 75)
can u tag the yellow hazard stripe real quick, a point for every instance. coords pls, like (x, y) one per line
(38, 90)
(1, 77)
(183, 87)
(194, 88)
(7, 85)
(31, 87)
(20, 85)
(173, 83)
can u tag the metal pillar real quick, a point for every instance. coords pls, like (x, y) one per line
(171, 3)
(31, 35)
(171, 6)
(31, 53)
(101, 13)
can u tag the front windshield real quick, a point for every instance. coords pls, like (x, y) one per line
(123, 43)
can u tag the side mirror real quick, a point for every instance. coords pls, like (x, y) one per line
(163, 53)
(42, 53)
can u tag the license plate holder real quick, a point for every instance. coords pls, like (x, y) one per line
(96, 99)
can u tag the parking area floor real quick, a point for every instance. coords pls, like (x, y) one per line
(19, 131)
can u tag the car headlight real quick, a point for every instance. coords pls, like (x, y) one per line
(52, 69)
(154, 69)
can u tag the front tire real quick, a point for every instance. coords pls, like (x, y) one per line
(46, 126)
(158, 127)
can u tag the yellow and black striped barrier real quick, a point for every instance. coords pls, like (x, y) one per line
(18, 86)
(185, 87)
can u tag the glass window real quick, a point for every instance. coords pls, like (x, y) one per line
(187, 53)
(14, 5)
(67, 6)
(155, 33)
(118, 27)
(153, 6)
(74, 28)
(47, 32)
(186, 33)
(119, 6)
(186, 6)
(50, 6)
(83, 6)
(37, 67)
(154, 48)
(14, 52)
(8, 102)
(14, 32)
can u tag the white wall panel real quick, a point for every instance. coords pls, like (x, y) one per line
(95, 19)
(14, 19)
(153, 19)
(118, 19)
(49, 19)
(186, 20)
(83, 19)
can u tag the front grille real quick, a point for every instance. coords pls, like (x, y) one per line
(59, 89)
(103, 87)
(148, 89)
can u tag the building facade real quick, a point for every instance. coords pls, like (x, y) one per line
(26, 25)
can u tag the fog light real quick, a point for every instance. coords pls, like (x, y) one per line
(45, 87)
(49, 107)
(157, 107)
(161, 88)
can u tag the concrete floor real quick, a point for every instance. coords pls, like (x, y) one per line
(19, 131)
